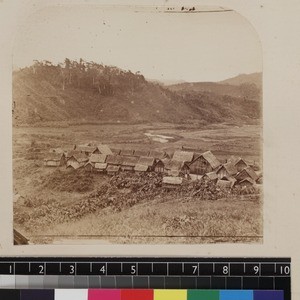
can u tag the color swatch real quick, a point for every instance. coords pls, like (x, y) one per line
(139, 294)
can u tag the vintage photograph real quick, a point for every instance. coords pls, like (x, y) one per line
(137, 125)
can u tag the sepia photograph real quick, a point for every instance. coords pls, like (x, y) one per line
(137, 125)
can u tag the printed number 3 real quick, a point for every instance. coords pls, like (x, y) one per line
(72, 269)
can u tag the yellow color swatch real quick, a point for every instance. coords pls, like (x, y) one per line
(170, 294)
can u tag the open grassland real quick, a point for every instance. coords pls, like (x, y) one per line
(172, 221)
(55, 204)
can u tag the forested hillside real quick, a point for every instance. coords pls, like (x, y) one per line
(90, 92)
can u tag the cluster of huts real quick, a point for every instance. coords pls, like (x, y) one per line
(182, 164)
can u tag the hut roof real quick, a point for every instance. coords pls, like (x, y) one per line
(141, 168)
(130, 161)
(247, 179)
(114, 159)
(172, 180)
(250, 172)
(146, 160)
(74, 166)
(127, 152)
(141, 153)
(56, 150)
(98, 158)
(100, 166)
(89, 149)
(111, 168)
(54, 156)
(224, 184)
(229, 167)
(158, 154)
(71, 153)
(80, 157)
(104, 149)
(115, 151)
(195, 177)
(19, 238)
(210, 158)
(190, 149)
(184, 156)
(173, 165)
(69, 147)
(235, 160)
(211, 175)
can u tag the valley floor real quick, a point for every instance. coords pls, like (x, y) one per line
(48, 210)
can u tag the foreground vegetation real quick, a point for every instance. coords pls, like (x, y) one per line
(53, 205)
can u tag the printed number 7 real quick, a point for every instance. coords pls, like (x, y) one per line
(195, 268)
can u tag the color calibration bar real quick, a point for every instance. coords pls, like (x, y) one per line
(127, 294)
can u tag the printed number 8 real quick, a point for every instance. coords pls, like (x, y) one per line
(225, 270)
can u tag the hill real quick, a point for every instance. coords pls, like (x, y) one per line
(245, 86)
(89, 92)
(254, 78)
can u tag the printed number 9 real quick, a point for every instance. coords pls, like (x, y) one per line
(256, 269)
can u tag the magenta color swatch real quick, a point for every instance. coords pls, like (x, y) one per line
(104, 294)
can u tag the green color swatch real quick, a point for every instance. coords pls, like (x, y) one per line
(203, 295)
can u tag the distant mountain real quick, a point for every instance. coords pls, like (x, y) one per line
(87, 92)
(247, 87)
(255, 78)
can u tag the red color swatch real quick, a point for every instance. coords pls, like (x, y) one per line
(137, 295)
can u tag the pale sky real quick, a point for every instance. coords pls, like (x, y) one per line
(162, 46)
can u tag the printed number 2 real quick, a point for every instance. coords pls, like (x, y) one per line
(41, 269)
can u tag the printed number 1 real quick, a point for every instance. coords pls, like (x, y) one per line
(10, 269)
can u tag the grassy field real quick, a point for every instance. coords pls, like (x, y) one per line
(42, 206)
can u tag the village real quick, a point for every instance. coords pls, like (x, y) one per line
(186, 164)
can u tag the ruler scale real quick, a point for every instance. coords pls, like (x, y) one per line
(252, 274)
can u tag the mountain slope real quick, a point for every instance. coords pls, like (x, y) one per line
(242, 86)
(88, 93)
(254, 78)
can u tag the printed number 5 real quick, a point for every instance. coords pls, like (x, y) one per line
(133, 270)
